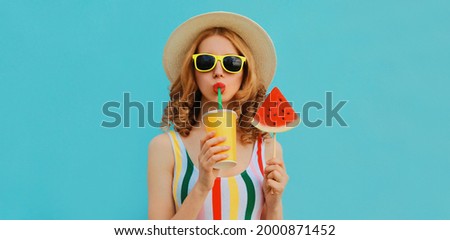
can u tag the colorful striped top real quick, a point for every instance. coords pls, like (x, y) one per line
(236, 197)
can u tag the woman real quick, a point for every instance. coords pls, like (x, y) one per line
(232, 52)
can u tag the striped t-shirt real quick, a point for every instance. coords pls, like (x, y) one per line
(235, 197)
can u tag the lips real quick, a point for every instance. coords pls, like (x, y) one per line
(217, 86)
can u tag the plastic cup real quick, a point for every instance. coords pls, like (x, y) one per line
(223, 122)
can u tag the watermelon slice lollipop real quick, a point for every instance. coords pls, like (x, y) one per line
(275, 114)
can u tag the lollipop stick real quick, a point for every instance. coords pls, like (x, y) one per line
(274, 145)
(274, 152)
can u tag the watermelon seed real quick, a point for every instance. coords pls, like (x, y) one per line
(280, 99)
(282, 118)
(288, 113)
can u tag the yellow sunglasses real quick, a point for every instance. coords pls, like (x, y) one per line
(205, 62)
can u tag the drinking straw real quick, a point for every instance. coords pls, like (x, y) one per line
(220, 99)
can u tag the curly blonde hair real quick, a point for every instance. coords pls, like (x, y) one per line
(185, 96)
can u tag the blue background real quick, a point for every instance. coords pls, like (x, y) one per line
(60, 61)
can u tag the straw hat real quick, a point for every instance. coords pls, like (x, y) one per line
(254, 35)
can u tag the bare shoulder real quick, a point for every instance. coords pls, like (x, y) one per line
(160, 150)
(268, 142)
(161, 140)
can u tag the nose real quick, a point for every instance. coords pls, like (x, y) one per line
(218, 71)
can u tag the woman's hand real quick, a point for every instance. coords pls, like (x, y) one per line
(208, 156)
(275, 180)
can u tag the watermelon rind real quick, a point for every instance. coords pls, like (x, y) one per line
(270, 129)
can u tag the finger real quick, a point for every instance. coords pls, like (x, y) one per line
(208, 163)
(276, 187)
(280, 177)
(266, 184)
(218, 149)
(212, 151)
(275, 175)
(275, 161)
(215, 158)
(207, 137)
(272, 168)
(212, 142)
(206, 144)
(215, 140)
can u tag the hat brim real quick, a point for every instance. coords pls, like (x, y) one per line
(254, 36)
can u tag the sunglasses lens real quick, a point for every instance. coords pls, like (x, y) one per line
(232, 63)
(205, 62)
